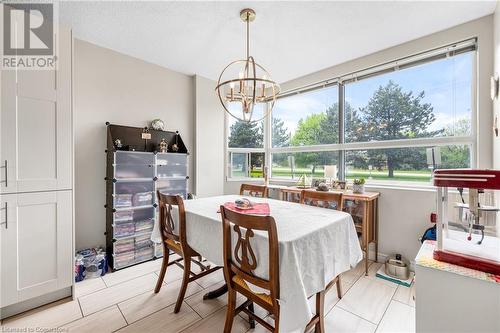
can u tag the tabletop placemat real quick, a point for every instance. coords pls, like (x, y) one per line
(257, 209)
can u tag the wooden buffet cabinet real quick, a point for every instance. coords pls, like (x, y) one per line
(363, 208)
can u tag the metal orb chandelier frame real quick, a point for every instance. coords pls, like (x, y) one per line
(250, 88)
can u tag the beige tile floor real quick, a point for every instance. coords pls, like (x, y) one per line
(124, 301)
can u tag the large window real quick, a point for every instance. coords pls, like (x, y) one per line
(295, 165)
(246, 157)
(306, 119)
(379, 124)
(429, 100)
(402, 164)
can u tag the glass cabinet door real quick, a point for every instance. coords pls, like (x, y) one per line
(173, 187)
(171, 165)
(134, 165)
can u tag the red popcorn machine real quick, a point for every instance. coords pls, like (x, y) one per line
(468, 226)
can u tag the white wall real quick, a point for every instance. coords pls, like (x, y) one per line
(404, 213)
(209, 138)
(109, 86)
(496, 103)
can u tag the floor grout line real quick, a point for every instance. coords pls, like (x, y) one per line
(82, 317)
(126, 322)
(135, 277)
(121, 301)
(158, 310)
(119, 309)
(105, 280)
(80, 306)
(395, 300)
(385, 311)
(184, 301)
(197, 321)
(382, 317)
(357, 315)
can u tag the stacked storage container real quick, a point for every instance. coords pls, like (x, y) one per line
(136, 176)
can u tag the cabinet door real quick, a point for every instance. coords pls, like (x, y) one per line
(36, 126)
(36, 245)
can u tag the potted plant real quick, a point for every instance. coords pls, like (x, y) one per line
(358, 185)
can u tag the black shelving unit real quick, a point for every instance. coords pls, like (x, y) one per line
(134, 172)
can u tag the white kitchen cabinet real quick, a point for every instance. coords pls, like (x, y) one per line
(36, 245)
(36, 126)
(36, 182)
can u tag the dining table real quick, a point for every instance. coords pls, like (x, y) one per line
(315, 245)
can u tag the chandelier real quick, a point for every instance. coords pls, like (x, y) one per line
(245, 88)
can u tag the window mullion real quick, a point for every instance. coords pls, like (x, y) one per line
(341, 172)
(268, 140)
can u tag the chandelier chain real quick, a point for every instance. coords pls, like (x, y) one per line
(248, 35)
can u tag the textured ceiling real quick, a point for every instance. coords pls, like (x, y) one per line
(290, 39)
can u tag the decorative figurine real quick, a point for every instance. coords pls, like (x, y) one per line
(163, 146)
(118, 143)
(158, 124)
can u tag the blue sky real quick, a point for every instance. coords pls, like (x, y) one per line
(447, 85)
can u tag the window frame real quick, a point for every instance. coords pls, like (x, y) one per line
(469, 45)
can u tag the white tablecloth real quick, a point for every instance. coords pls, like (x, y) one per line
(315, 245)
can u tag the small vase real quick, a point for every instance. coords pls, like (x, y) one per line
(358, 188)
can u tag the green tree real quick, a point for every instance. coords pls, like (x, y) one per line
(330, 125)
(246, 135)
(309, 132)
(393, 114)
(321, 128)
(456, 156)
(280, 135)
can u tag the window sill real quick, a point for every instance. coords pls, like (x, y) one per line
(244, 179)
(371, 185)
(374, 186)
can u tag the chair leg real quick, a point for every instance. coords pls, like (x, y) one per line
(185, 281)
(320, 311)
(164, 265)
(231, 306)
(251, 321)
(339, 288)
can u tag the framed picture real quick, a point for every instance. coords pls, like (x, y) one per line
(316, 181)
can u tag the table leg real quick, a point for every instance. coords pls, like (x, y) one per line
(216, 293)
(365, 233)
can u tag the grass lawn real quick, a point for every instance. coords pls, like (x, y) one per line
(399, 175)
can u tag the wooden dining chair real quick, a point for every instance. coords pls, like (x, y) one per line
(174, 238)
(254, 190)
(240, 263)
(332, 200)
